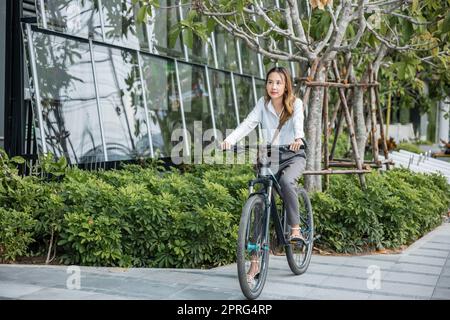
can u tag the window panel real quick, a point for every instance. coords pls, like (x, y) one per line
(222, 97)
(67, 92)
(163, 102)
(260, 88)
(121, 27)
(249, 60)
(226, 50)
(121, 102)
(165, 17)
(244, 94)
(76, 17)
(200, 52)
(195, 99)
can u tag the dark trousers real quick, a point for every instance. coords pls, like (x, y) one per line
(289, 172)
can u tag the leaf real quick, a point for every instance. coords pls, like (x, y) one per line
(142, 14)
(174, 35)
(408, 31)
(192, 14)
(446, 24)
(210, 25)
(188, 38)
(18, 160)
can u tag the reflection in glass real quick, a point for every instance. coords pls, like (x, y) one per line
(260, 88)
(165, 17)
(283, 46)
(226, 50)
(70, 116)
(244, 94)
(162, 101)
(121, 101)
(201, 52)
(195, 99)
(222, 97)
(249, 60)
(76, 17)
(120, 25)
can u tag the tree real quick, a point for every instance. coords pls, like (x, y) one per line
(319, 31)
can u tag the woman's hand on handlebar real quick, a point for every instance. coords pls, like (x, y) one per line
(295, 146)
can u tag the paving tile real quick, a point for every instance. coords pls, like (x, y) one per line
(426, 253)
(414, 268)
(16, 290)
(336, 294)
(423, 260)
(440, 293)
(411, 278)
(443, 282)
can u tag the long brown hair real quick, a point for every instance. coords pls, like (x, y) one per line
(288, 95)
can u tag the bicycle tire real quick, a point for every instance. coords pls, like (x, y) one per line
(252, 243)
(299, 254)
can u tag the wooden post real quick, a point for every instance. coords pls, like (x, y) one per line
(325, 130)
(336, 134)
(383, 137)
(312, 75)
(339, 109)
(373, 114)
(388, 111)
(330, 171)
(350, 126)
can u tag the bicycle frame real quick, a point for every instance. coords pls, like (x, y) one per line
(270, 182)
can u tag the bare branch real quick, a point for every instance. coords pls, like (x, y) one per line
(322, 44)
(333, 18)
(344, 20)
(395, 47)
(298, 28)
(413, 21)
(387, 3)
(361, 28)
(254, 45)
(288, 17)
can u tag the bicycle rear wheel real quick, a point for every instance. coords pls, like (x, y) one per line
(298, 254)
(252, 245)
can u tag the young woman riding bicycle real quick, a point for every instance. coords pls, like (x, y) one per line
(281, 117)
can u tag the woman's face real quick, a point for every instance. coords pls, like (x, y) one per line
(275, 85)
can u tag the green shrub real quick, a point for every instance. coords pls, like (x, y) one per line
(91, 240)
(397, 208)
(15, 233)
(145, 217)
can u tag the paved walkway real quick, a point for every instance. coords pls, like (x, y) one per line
(421, 272)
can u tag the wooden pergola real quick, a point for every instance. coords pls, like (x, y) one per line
(341, 110)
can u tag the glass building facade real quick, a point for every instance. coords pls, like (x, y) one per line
(105, 87)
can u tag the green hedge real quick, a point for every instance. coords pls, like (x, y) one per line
(397, 208)
(144, 217)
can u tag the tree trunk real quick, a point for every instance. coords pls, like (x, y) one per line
(360, 121)
(314, 135)
(361, 124)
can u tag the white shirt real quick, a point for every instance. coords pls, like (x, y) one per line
(266, 115)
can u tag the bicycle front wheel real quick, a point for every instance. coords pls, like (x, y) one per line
(253, 247)
(298, 254)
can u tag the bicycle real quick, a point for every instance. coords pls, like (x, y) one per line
(253, 236)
